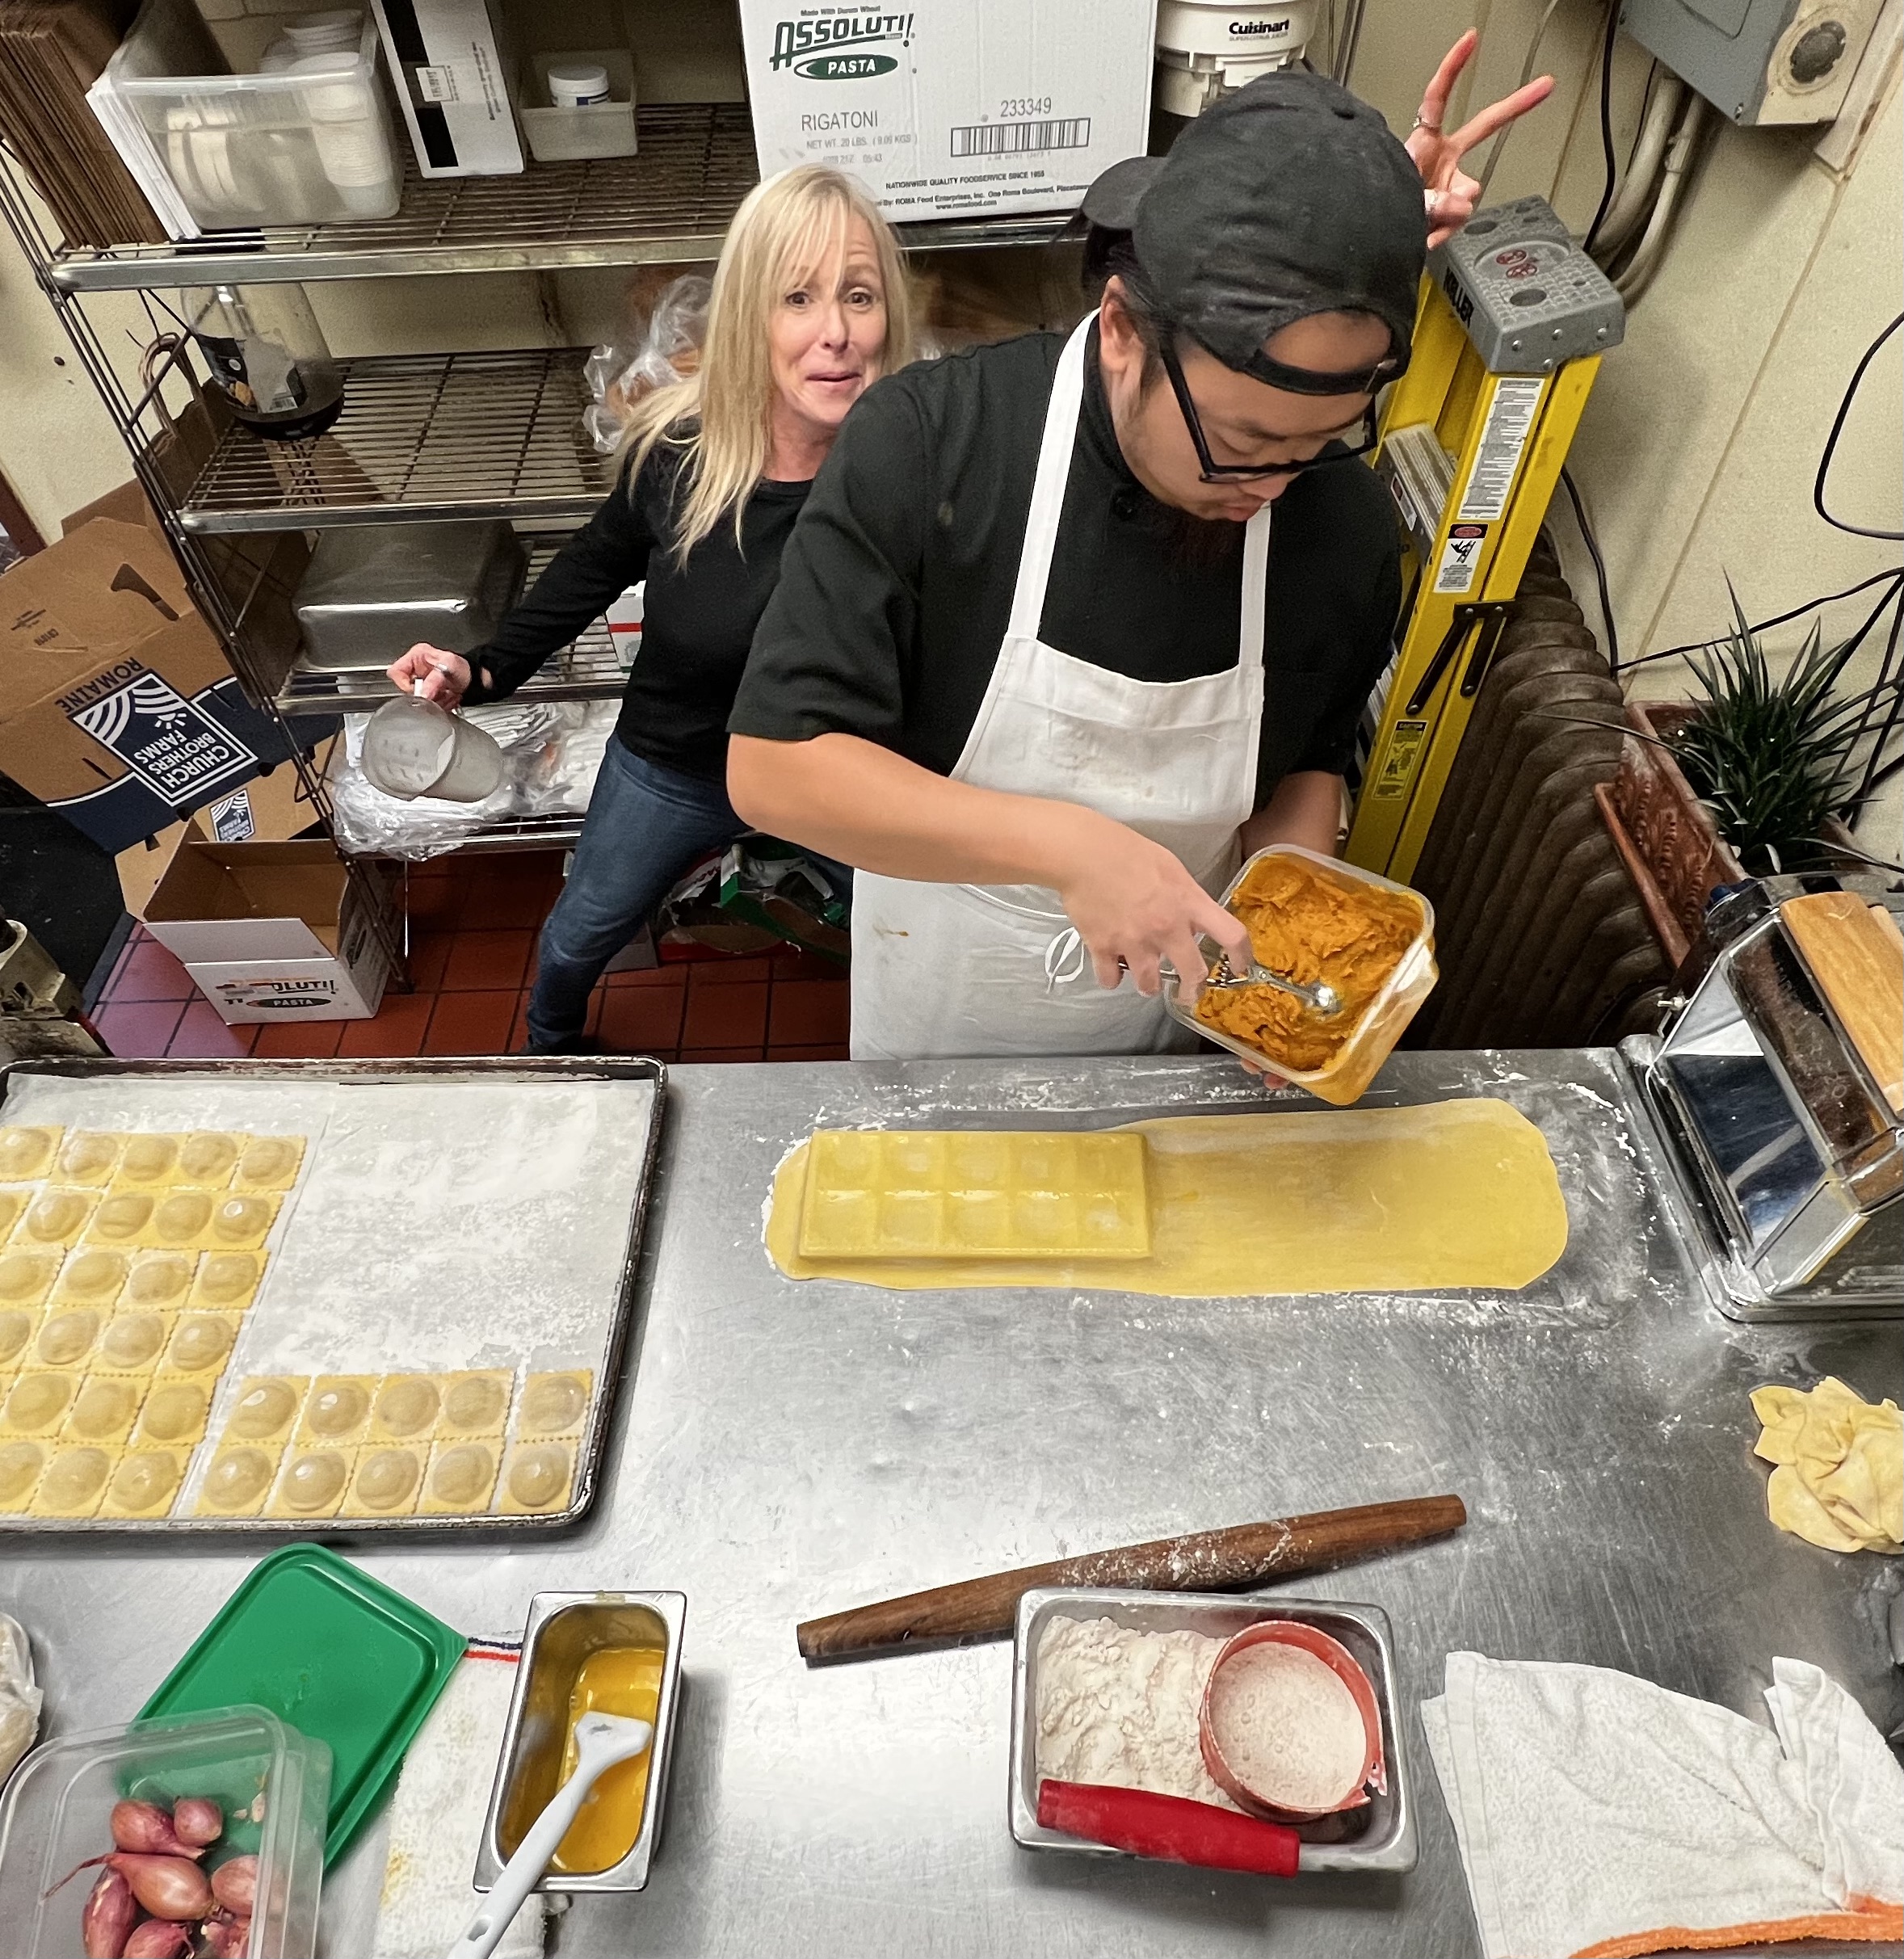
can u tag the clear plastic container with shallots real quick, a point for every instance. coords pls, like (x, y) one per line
(272, 1783)
(1370, 1027)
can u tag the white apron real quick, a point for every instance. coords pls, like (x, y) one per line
(956, 970)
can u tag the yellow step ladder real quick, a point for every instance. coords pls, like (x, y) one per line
(1512, 321)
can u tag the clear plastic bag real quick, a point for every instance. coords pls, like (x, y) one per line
(668, 350)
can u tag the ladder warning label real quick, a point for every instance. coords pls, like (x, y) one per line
(1397, 765)
(1460, 558)
(1510, 419)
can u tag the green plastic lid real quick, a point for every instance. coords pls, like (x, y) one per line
(326, 1648)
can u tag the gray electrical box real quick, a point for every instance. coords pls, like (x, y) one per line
(1529, 297)
(1760, 60)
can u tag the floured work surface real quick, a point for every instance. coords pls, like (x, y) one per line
(414, 1318)
(1442, 1195)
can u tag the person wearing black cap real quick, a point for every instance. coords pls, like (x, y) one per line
(1037, 663)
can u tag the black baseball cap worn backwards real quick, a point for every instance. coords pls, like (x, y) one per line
(1288, 197)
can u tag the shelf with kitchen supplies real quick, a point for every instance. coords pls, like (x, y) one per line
(586, 669)
(669, 204)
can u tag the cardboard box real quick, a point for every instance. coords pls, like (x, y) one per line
(455, 74)
(952, 107)
(270, 809)
(117, 706)
(275, 931)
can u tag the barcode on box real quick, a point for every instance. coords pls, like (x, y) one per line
(1014, 139)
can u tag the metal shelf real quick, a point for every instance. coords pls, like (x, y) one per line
(585, 670)
(670, 204)
(421, 436)
(529, 833)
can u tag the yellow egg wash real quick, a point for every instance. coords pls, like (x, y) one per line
(613, 1681)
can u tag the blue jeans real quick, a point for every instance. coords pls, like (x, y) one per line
(646, 824)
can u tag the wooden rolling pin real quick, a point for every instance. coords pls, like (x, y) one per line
(1232, 1560)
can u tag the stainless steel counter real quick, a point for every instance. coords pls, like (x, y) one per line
(782, 1450)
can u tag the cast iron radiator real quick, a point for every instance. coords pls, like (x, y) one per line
(1541, 938)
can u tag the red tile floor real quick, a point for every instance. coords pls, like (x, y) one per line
(473, 923)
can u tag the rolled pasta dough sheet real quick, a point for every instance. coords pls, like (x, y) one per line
(1442, 1195)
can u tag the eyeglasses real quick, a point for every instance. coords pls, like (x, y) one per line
(1214, 472)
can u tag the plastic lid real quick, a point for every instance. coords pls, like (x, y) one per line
(341, 27)
(585, 81)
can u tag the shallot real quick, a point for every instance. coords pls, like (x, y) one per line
(144, 1827)
(157, 1939)
(109, 1916)
(197, 1819)
(234, 1884)
(167, 1887)
(225, 1938)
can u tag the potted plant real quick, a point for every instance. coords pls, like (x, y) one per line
(1754, 778)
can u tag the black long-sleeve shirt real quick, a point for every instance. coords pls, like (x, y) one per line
(697, 625)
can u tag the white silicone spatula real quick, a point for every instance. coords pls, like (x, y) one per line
(601, 1741)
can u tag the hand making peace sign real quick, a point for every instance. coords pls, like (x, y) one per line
(1438, 157)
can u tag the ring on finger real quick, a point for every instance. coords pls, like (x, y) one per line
(1423, 122)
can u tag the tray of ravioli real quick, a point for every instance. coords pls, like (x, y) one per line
(214, 1328)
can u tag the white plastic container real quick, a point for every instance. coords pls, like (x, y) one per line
(335, 32)
(306, 145)
(561, 127)
(1209, 48)
(412, 747)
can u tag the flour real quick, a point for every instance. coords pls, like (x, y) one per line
(1120, 1706)
(1288, 1727)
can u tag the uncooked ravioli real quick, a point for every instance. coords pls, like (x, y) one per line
(103, 1409)
(122, 1215)
(20, 1465)
(158, 1281)
(38, 1401)
(74, 1480)
(552, 1402)
(175, 1412)
(386, 1479)
(179, 1218)
(131, 1340)
(149, 1159)
(143, 1481)
(263, 1410)
(268, 1163)
(335, 1410)
(16, 1328)
(225, 1277)
(88, 1156)
(25, 1153)
(25, 1275)
(207, 1158)
(238, 1478)
(66, 1337)
(315, 1481)
(538, 1475)
(406, 1405)
(55, 1217)
(93, 1274)
(201, 1341)
(463, 1475)
(1427, 1199)
(476, 1403)
(240, 1219)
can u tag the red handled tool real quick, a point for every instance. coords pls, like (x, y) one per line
(1171, 1827)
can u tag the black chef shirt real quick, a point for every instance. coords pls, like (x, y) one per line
(698, 619)
(895, 589)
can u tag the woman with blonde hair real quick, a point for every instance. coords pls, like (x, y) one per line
(810, 307)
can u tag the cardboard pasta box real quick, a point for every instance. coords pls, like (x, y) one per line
(117, 709)
(276, 932)
(943, 108)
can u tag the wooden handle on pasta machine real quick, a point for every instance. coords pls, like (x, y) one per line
(1232, 1559)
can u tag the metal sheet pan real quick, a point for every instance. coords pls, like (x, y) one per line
(1388, 1842)
(613, 1330)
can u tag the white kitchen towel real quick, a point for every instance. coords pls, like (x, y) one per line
(436, 1819)
(1602, 1817)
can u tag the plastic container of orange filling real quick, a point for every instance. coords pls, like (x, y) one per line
(1316, 918)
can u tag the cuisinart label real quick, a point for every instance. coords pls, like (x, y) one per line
(952, 105)
(170, 743)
